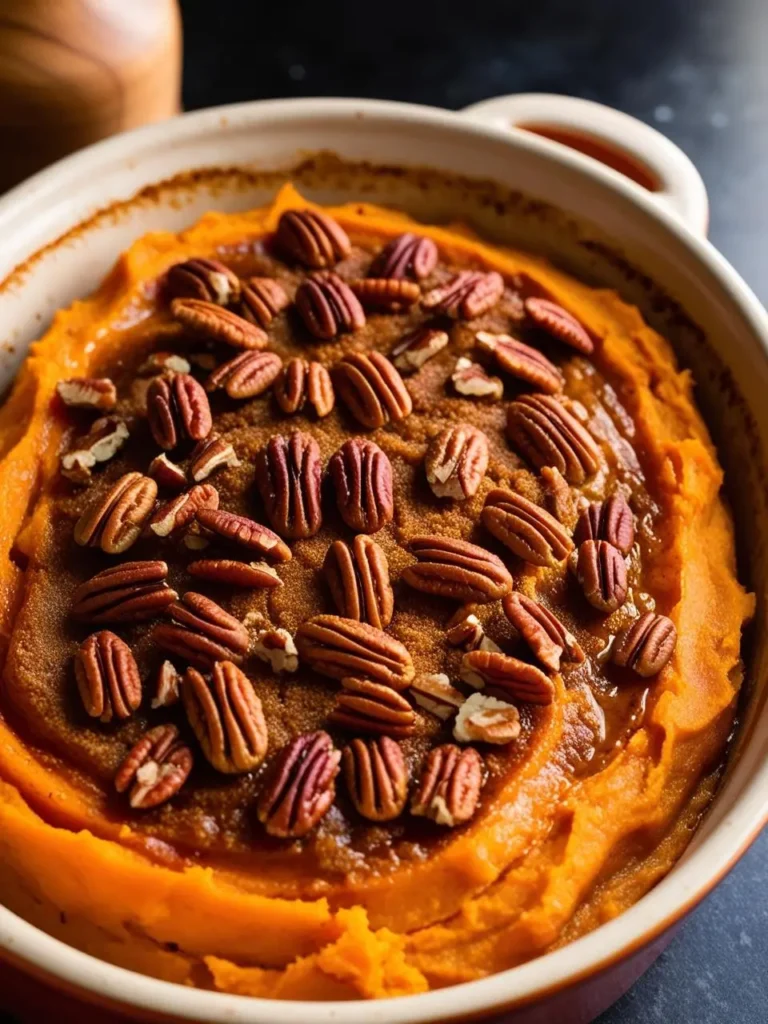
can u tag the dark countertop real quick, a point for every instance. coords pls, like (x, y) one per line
(695, 69)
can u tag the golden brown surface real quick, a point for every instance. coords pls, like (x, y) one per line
(581, 814)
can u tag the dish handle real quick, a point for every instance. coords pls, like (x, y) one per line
(649, 159)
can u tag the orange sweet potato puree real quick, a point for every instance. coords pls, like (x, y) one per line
(556, 856)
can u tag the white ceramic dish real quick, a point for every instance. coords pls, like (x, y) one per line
(650, 245)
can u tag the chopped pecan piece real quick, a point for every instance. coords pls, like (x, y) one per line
(262, 299)
(164, 362)
(201, 633)
(456, 461)
(546, 636)
(204, 279)
(407, 256)
(525, 528)
(167, 686)
(372, 389)
(328, 306)
(610, 520)
(646, 645)
(107, 677)
(155, 769)
(358, 578)
(247, 375)
(166, 473)
(115, 520)
(173, 515)
(212, 454)
(299, 383)
(558, 322)
(561, 497)
(548, 435)
(467, 632)
(312, 238)
(471, 380)
(178, 410)
(104, 440)
(257, 575)
(416, 347)
(602, 573)
(368, 707)
(467, 295)
(362, 479)
(388, 294)
(88, 393)
(131, 592)
(377, 777)
(339, 647)
(301, 787)
(521, 361)
(277, 647)
(450, 784)
(434, 692)
(516, 678)
(288, 475)
(244, 532)
(226, 717)
(207, 320)
(457, 569)
(483, 719)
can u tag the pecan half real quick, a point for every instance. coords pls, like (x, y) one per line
(178, 410)
(610, 520)
(226, 717)
(449, 786)
(457, 569)
(602, 573)
(211, 454)
(521, 361)
(115, 520)
(456, 461)
(416, 347)
(167, 686)
(548, 435)
(247, 375)
(339, 647)
(483, 719)
(104, 440)
(214, 323)
(361, 474)
(131, 592)
(164, 362)
(173, 515)
(299, 383)
(288, 474)
(528, 530)
(368, 707)
(328, 306)
(257, 575)
(372, 389)
(88, 393)
(155, 769)
(262, 299)
(204, 279)
(377, 777)
(358, 578)
(646, 645)
(434, 692)
(407, 255)
(166, 473)
(244, 532)
(107, 677)
(471, 380)
(546, 636)
(201, 633)
(388, 294)
(558, 322)
(312, 238)
(516, 678)
(301, 787)
(467, 295)
(278, 649)
(561, 498)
